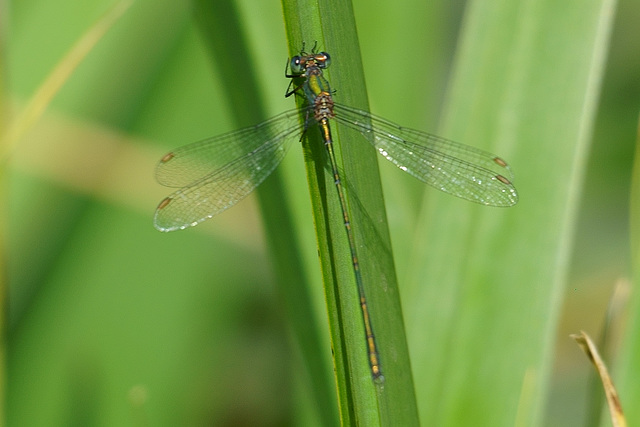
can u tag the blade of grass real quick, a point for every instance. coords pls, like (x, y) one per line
(331, 24)
(487, 282)
(221, 28)
(628, 370)
(4, 306)
(11, 131)
(59, 76)
(612, 398)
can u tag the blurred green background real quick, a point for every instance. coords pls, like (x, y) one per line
(113, 323)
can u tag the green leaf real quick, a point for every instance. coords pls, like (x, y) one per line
(630, 360)
(362, 401)
(487, 283)
(221, 27)
(195, 327)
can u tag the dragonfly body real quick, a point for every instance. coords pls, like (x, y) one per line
(214, 174)
(318, 92)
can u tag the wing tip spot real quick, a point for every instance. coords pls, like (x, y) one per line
(167, 157)
(503, 180)
(497, 160)
(164, 203)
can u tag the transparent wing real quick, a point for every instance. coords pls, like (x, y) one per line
(454, 168)
(219, 172)
(187, 164)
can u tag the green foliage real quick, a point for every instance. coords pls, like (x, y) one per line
(113, 323)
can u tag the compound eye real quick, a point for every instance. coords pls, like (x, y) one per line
(296, 65)
(323, 59)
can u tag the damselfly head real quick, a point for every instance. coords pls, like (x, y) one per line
(301, 63)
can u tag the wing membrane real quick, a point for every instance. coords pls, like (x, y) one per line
(192, 162)
(454, 168)
(217, 188)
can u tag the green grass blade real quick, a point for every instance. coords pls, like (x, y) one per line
(221, 27)
(331, 24)
(39, 102)
(487, 282)
(191, 326)
(630, 361)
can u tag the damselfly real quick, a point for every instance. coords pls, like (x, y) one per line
(216, 173)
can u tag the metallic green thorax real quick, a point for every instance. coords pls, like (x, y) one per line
(316, 84)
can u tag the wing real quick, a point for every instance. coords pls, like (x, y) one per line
(185, 165)
(212, 188)
(454, 168)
